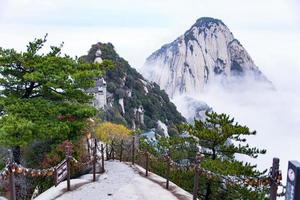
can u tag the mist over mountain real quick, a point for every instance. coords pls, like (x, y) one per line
(206, 53)
(233, 85)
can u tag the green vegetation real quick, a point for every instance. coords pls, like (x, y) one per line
(42, 97)
(42, 102)
(125, 82)
(220, 139)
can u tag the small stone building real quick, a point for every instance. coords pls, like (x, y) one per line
(99, 92)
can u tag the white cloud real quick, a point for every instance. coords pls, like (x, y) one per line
(273, 114)
(134, 44)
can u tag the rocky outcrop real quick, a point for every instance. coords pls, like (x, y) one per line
(192, 108)
(207, 52)
(98, 58)
(162, 129)
(131, 99)
(99, 93)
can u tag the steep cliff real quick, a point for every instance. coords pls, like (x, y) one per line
(131, 100)
(206, 53)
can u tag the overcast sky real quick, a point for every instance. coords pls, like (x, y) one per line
(268, 29)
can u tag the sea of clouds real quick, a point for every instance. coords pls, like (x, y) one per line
(273, 113)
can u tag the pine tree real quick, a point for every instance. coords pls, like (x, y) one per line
(221, 139)
(42, 96)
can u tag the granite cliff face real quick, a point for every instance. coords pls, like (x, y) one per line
(131, 99)
(207, 52)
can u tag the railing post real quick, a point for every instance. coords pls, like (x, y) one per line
(106, 150)
(94, 159)
(102, 158)
(121, 151)
(274, 173)
(11, 178)
(69, 174)
(199, 157)
(68, 156)
(168, 170)
(12, 186)
(133, 147)
(112, 150)
(147, 162)
(88, 146)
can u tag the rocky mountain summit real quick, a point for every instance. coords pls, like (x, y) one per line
(128, 98)
(206, 53)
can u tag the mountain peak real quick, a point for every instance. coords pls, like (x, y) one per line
(207, 21)
(206, 53)
(130, 98)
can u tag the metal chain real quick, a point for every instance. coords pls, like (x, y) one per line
(12, 167)
(227, 179)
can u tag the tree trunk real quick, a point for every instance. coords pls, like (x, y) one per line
(208, 191)
(16, 151)
(214, 156)
(208, 184)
